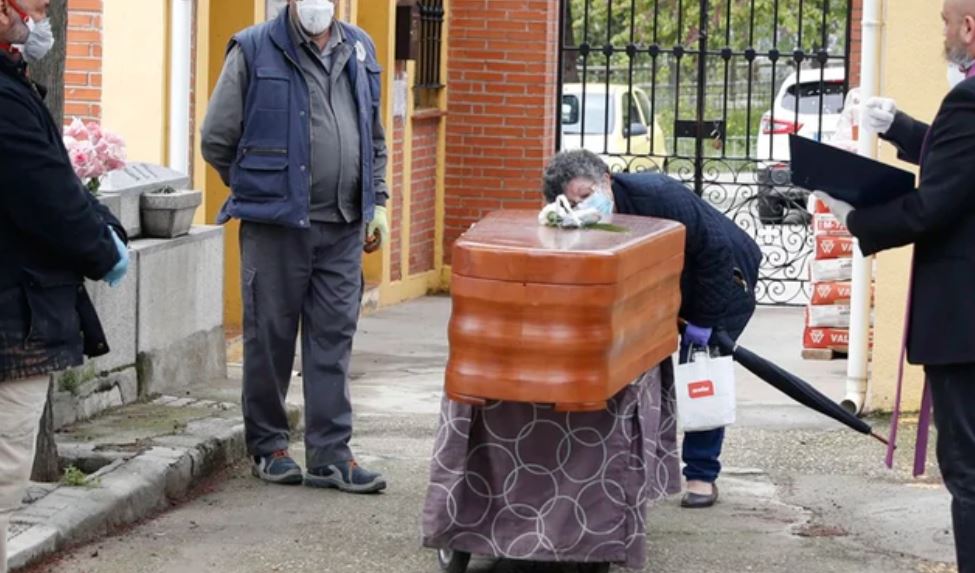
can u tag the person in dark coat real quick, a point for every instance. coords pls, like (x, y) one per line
(939, 220)
(717, 284)
(53, 234)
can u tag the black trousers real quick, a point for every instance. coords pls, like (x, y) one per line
(953, 393)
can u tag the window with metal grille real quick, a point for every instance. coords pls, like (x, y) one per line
(428, 73)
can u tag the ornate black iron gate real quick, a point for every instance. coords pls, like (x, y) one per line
(709, 91)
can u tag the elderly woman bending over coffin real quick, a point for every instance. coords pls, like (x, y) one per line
(721, 263)
(524, 481)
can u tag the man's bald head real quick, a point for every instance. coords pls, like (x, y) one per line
(959, 31)
(960, 5)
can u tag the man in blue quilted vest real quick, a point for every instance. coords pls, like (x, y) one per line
(293, 128)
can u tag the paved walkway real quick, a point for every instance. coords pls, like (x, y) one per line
(800, 494)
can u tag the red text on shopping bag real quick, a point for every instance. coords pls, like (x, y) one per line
(700, 389)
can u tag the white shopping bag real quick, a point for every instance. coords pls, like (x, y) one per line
(706, 392)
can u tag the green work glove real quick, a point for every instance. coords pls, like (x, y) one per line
(378, 226)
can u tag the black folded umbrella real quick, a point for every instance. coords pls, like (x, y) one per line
(792, 386)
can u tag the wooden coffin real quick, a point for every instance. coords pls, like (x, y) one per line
(564, 317)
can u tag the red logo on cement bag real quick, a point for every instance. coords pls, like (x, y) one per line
(833, 247)
(830, 293)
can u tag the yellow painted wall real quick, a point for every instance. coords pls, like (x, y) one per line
(134, 73)
(377, 18)
(218, 21)
(913, 74)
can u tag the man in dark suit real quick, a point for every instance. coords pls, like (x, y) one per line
(53, 234)
(939, 220)
(717, 284)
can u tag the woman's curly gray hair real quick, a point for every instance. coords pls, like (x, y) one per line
(568, 165)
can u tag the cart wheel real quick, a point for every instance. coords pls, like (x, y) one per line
(453, 561)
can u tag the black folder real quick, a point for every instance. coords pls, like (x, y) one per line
(858, 180)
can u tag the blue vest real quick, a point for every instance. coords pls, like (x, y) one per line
(270, 178)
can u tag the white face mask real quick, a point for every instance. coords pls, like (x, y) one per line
(315, 15)
(39, 42)
(602, 201)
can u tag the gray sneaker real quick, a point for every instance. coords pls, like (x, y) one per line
(277, 468)
(347, 477)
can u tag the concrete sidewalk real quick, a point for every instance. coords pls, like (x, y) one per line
(135, 462)
(799, 494)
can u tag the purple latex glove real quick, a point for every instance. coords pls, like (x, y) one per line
(697, 335)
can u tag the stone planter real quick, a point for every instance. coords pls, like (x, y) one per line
(134, 180)
(168, 215)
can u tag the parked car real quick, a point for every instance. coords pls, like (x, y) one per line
(619, 127)
(808, 104)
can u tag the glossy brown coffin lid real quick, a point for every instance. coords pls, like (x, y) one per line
(556, 316)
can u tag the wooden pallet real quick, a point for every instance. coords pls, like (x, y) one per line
(822, 354)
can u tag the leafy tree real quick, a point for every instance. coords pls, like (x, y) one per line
(49, 72)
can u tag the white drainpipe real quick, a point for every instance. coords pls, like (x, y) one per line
(179, 84)
(856, 372)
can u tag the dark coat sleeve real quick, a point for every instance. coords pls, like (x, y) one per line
(907, 135)
(709, 251)
(43, 196)
(946, 192)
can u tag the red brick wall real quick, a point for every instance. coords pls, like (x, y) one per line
(501, 123)
(856, 42)
(83, 69)
(423, 193)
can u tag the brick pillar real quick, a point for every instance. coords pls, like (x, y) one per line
(83, 68)
(423, 193)
(501, 107)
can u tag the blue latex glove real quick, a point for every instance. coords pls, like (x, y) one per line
(696, 335)
(115, 275)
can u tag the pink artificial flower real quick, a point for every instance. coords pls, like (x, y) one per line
(77, 130)
(85, 161)
(113, 163)
(112, 151)
(113, 138)
(102, 154)
(94, 131)
(93, 151)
